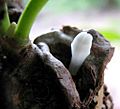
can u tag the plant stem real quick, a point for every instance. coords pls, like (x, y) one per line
(27, 19)
(4, 18)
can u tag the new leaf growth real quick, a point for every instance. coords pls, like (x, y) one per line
(27, 19)
(4, 18)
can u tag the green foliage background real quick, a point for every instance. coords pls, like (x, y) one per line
(69, 6)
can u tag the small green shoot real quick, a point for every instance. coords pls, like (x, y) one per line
(11, 30)
(4, 18)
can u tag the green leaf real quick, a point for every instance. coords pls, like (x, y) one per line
(4, 18)
(27, 19)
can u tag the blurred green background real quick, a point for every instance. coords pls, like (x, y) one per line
(102, 15)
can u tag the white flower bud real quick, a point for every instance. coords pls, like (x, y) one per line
(80, 48)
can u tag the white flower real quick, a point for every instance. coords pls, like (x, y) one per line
(80, 48)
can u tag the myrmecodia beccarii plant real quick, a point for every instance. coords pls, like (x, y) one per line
(19, 33)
